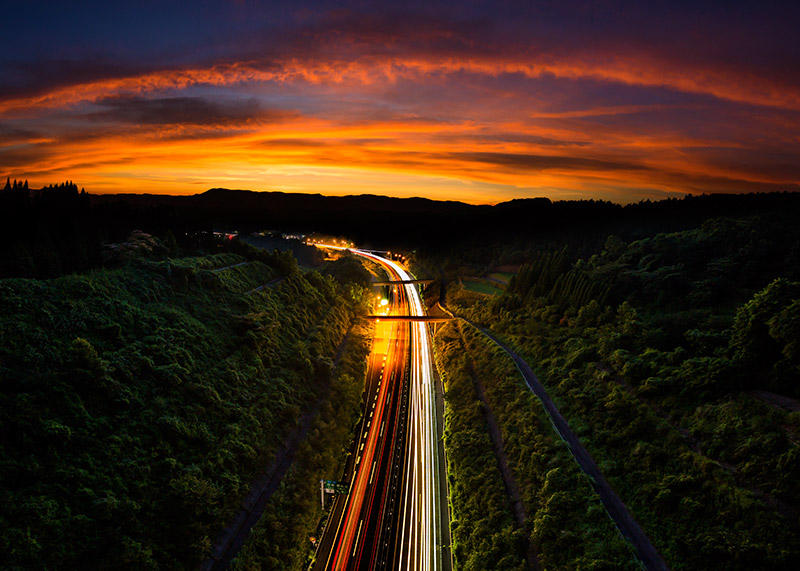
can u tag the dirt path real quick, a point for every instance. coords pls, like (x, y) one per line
(778, 401)
(512, 489)
(266, 285)
(229, 267)
(231, 539)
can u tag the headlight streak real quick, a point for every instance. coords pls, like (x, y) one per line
(418, 536)
(420, 522)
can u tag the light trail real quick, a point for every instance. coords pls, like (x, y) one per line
(391, 517)
(418, 545)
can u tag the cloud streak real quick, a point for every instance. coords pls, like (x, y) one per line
(635, 70)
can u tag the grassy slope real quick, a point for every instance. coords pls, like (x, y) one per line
(281, 538)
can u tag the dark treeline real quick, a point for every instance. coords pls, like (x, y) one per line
(58, 229)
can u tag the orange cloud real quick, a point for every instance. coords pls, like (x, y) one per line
(641, 70)
(163, 144)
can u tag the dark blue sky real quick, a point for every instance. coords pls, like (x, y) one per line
(479, 101)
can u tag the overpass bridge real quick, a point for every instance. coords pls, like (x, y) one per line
(423, 318)
(401, 282)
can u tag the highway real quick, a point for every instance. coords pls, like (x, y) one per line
(394, 516)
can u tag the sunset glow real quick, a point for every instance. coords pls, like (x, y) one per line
(565, 101)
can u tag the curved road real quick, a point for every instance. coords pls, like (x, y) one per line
(395, 515)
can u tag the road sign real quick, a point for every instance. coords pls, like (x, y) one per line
(334, 487)
(331, 487)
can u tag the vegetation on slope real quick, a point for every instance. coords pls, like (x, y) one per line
(138, 403)
(282, 537)
(565, 522)
(658, 352)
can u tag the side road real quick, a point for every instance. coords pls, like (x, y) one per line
(645, 551)
(511, 486)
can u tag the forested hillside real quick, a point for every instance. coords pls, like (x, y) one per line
(282, 537)
(675, 359)
(552, 518)
(138, 403)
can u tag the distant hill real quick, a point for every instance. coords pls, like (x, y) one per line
(411, 222)
(366, 218)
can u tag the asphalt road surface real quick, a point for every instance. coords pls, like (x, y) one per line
(395, 514)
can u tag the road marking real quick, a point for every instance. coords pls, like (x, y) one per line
(355, 543)
(418, 538)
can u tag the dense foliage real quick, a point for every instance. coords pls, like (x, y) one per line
(139, 399)
(675, 359)
(282, 537)
(565, 523)
(138, 403)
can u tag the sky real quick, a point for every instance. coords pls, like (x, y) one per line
(476, 101)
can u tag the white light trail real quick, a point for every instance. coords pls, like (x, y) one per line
(420, 525)
(418, 544)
